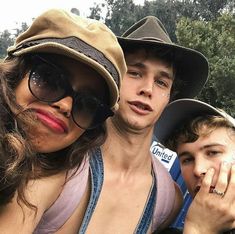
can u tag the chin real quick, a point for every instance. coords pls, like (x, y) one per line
(42, 147)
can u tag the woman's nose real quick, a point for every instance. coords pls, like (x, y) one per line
(64, 106)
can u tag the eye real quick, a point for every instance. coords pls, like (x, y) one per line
(162, 83)
(186, 160)
(212, 153)
(134, 74)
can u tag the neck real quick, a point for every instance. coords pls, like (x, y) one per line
(126, 148)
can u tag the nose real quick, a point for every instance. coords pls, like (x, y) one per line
(146, 88)
(64, 106)
(200, 167)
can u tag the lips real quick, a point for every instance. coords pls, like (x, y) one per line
(52, 122)
(140, 107)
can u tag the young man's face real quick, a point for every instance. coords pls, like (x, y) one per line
(145, 90)
(207, 152)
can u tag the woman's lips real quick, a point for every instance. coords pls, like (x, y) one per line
(51, 121)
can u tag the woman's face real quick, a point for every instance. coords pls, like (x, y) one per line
(55, 128)
(207, 152)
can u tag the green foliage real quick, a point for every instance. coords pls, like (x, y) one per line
(121, 14)
(96, 11)
(216, 40)
(5, 41)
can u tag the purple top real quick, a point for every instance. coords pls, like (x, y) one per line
(61, 210)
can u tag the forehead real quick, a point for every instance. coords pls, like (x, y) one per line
(221, 137)
(151, 52)
(141, 56)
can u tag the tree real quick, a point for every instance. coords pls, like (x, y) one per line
(23, 28)
(96, 11)
(5, 41)
(121, 14)
(7, 38)
(216, 40)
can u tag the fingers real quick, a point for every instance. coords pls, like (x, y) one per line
(231, 185)
(207, 181)
(222, 181)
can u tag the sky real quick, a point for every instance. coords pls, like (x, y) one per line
(13, 13)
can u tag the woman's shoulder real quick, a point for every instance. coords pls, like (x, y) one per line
(39, 195)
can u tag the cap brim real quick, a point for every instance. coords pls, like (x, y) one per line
(180, 110)
(191, 66)
(56, 48)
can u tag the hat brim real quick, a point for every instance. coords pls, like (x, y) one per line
(178, 111)
(57, 48)
(191, 66)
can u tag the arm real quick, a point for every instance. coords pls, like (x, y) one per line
(41, 193)
(210, 213)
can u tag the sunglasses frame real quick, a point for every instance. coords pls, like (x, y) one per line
(106, 111)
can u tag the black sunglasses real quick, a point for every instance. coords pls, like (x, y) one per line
(49, 83)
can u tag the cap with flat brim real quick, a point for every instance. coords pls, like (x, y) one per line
(180, 110)
(191, 66)
(88, 41)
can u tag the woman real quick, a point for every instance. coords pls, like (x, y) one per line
(58, 84)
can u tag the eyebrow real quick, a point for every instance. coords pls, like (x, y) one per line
(143, 66)
(212, 145)
(167, 74)
(184, 153)
(137, 64)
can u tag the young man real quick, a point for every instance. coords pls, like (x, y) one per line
(204, 139)
(128, 190)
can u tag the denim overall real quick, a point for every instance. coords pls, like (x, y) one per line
(97, 177)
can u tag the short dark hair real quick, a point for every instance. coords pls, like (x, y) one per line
(165, 54)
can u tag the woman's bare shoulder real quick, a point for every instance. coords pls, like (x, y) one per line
(40, 194)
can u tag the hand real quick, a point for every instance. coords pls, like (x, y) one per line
(212, 212)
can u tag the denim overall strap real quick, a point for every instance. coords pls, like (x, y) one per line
(97, 177)
(146, 219)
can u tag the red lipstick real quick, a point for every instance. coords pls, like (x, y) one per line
(50, 121)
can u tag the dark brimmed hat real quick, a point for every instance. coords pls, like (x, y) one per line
(191, 65)
(180, 110)
(88, 41)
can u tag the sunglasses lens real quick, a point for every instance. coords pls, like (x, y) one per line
(89, 112)
(46, 83)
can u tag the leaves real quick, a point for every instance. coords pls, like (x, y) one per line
(216, 40)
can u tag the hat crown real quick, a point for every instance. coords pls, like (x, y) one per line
(150, 28)
(88, 41)
(191, 66)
